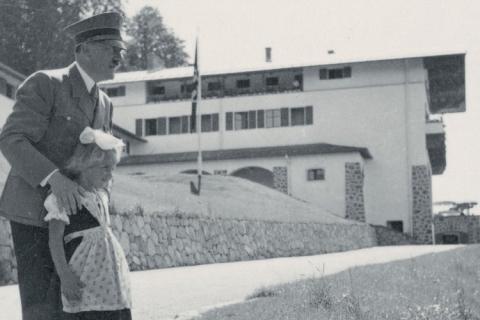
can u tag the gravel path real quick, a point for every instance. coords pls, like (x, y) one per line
(179, 293)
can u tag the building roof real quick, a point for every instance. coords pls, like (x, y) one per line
(121, 131)
(246, 153)
(187, 71)
(15, 74)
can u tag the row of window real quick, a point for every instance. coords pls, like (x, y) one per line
(157, 90)
(315, 174)
(174, 125)
(270, 118)
(335, 73)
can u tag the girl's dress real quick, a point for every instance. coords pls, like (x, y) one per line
(95, 255)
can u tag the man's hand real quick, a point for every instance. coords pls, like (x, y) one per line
(67, 192)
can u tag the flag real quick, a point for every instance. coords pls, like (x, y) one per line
(195, 90)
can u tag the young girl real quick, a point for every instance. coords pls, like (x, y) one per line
(88, 258)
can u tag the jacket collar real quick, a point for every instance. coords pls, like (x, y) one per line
(79, 90)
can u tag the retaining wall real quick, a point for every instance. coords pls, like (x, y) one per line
(160, 241)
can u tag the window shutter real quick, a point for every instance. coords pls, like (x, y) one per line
(229, 121)
(161, 126)
(261, 119)
(215, 122)
(284, 117)
(309, 115)
(252, 119)
(184, 123)
(139, 127)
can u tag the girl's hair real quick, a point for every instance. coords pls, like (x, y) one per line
(87, 155)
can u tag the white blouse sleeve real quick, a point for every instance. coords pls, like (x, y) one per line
(54, 211)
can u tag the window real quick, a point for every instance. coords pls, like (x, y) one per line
(301, 116)
(335, 73)
(158, 90)
(116, 91)
(187, 88)
(243, 83)
(315, 174)
(323, 74)
(150, 127)
(209, 122)
(298, 81)
(213, 86)
(10, 91)
(241, 120)
(174, 125)
(298, 116)
(272, 118)
(271, 81)
(3, 86)
(396, 225)
(126, 147)
(220, 172)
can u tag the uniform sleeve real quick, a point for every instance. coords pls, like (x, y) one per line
(54, 211)
(25, 126)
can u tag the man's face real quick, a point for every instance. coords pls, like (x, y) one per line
(104, 59)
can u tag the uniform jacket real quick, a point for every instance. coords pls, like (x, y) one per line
(51, 110)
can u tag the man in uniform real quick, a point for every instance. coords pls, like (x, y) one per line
(51, 110)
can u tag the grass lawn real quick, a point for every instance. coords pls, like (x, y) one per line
(436, 286)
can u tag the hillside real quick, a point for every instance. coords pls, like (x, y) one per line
(221, 196)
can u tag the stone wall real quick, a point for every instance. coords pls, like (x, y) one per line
(354, 200)
(422, 204)
(280, 179)
(8, 265)
(153, 241)
(158, 241)
(389, 237)
(467, 228)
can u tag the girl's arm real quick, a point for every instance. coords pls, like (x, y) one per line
(71, 283)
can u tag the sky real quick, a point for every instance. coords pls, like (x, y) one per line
(235, 33)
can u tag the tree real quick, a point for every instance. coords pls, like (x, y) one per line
(151, 40)
(31, 31)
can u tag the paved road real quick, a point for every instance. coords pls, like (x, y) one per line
(179, 293)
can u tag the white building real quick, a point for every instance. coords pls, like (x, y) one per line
(9, 82)
(356, 137)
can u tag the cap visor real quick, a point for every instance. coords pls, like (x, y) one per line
(115, 43)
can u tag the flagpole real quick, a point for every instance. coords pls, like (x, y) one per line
(196, 118)
(199, 117)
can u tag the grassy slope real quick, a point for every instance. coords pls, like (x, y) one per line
(437, 286)
(221, 196)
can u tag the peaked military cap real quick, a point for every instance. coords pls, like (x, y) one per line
(101, 27)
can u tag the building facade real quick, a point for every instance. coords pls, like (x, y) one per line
(9, 82)
(355, 137)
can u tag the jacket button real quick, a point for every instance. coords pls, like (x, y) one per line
(69, 118)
